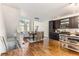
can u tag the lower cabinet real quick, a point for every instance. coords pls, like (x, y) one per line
(54, 36)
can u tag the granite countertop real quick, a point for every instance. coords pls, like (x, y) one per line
(73, 36)
(70, 36)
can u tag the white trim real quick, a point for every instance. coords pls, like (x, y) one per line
(76, 14)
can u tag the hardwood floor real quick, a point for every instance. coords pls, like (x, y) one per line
(37, 49)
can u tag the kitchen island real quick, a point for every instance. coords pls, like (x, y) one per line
(70, 42)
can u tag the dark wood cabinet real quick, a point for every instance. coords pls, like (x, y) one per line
(64, 23)
(73, 22)
(53, 25)
(57, 24)
(51, 30)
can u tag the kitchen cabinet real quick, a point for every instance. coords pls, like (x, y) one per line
(73, 22)
(70, 22)
(57, 24)
(53, 25)
(55, 36)
(64, 23)
(51, 30)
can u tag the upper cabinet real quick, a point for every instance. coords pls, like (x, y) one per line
(57, 24)
(50, 26)
(73, 22)
(64, 23)
(54, 25)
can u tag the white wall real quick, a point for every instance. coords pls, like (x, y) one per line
(43, 26)
(11, 17)
(2, 32)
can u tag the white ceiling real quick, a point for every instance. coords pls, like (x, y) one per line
(45, 11)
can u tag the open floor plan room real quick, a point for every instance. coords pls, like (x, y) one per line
(39, 29)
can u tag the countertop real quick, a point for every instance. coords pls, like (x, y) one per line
(70, 36)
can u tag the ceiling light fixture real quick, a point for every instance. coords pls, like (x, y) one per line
(36, 18)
